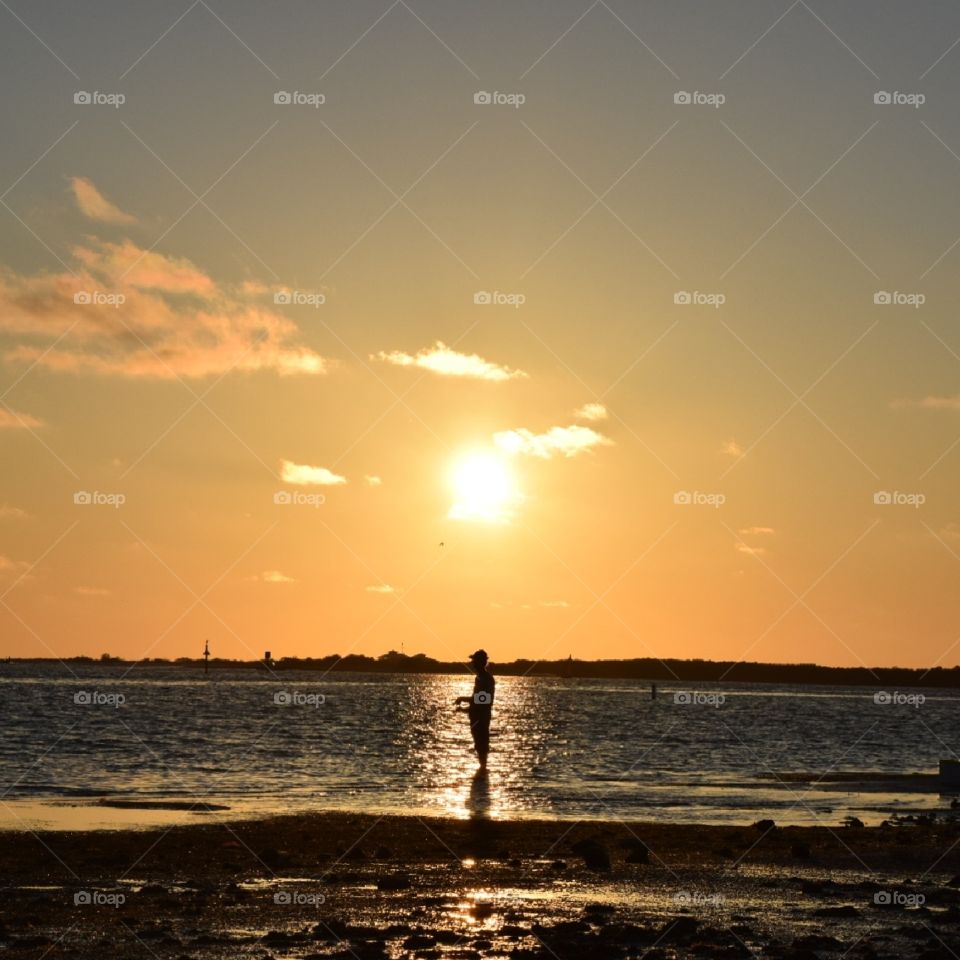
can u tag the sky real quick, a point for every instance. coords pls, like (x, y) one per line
(559, 328)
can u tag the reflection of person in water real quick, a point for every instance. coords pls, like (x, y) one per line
(480, 707)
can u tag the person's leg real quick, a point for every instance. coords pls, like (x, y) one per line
(480, 728)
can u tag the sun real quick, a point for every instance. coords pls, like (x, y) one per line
(483, 488)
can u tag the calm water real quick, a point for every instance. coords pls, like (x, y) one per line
(561, 748)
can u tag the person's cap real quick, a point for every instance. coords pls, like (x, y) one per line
(480, 655)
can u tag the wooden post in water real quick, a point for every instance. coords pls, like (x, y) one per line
(206, 657)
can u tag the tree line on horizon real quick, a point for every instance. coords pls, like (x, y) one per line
(650, 669)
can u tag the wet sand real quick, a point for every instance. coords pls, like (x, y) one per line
(355, 886)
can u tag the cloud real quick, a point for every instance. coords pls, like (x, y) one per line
(12, 568)
(447, 362)
(373, 481)
(591, 411)
(93, 204)
(554, 603)
(928, 403)
(557, 441)
(756, 531)
(138, 313)
(306, 476)
(8, 512)
(752, 551)
(272, 576)
(381, 588)
(732, 449)
(10, 419)
(91, 591)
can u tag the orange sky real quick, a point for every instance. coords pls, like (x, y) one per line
(587, 369)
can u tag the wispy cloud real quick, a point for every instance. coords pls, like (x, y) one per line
(11, 420)
(731, 449)
(554, 603)
(381, 588)
(139, 313)
(557, 441)
(928, 403)
(8, 512)
(591, 411)
(447, 362)
(372, 481)
(91, 591)
(305, 475)
(756, 531)
(751, 551)
(93, 204)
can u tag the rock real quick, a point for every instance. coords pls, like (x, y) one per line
(394, 881)
(847, 910)
(853, 822)
(595, 855)
(764, 826)
(680, 928)
(419, 941)
(558, 865)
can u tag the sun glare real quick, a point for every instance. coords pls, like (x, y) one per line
(483, 488)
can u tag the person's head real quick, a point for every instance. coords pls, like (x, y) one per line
(478, 660)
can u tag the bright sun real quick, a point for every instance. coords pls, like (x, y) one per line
(483, 488)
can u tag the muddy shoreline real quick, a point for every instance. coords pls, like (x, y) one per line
(347, 885)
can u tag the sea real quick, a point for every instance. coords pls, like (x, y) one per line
(91, 745)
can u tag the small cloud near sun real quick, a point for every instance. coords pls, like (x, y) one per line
(751, 551)
(732, 449)
(272, 576)
(757, 531)
(93, 204)
(554, 603)
(305, 475)
(447, 362)
(373, 481)
(381, 588)
(557, 441)
(591, 411)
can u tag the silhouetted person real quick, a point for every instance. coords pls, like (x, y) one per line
(480, 707)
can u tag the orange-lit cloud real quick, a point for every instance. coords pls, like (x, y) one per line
(10, 419)
(138, 313)
(273, 576)
(751, 551)
(447, 362)
(8, 512)
(91, 591)
(557, 441)
(305, 475)
(373, 481)
(93, 204)
(756, 531)
(732, 449)
(381, 588)
(591, 411)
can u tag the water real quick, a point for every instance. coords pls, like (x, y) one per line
(565, 748)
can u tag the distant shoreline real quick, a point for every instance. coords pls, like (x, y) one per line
(646, 669)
